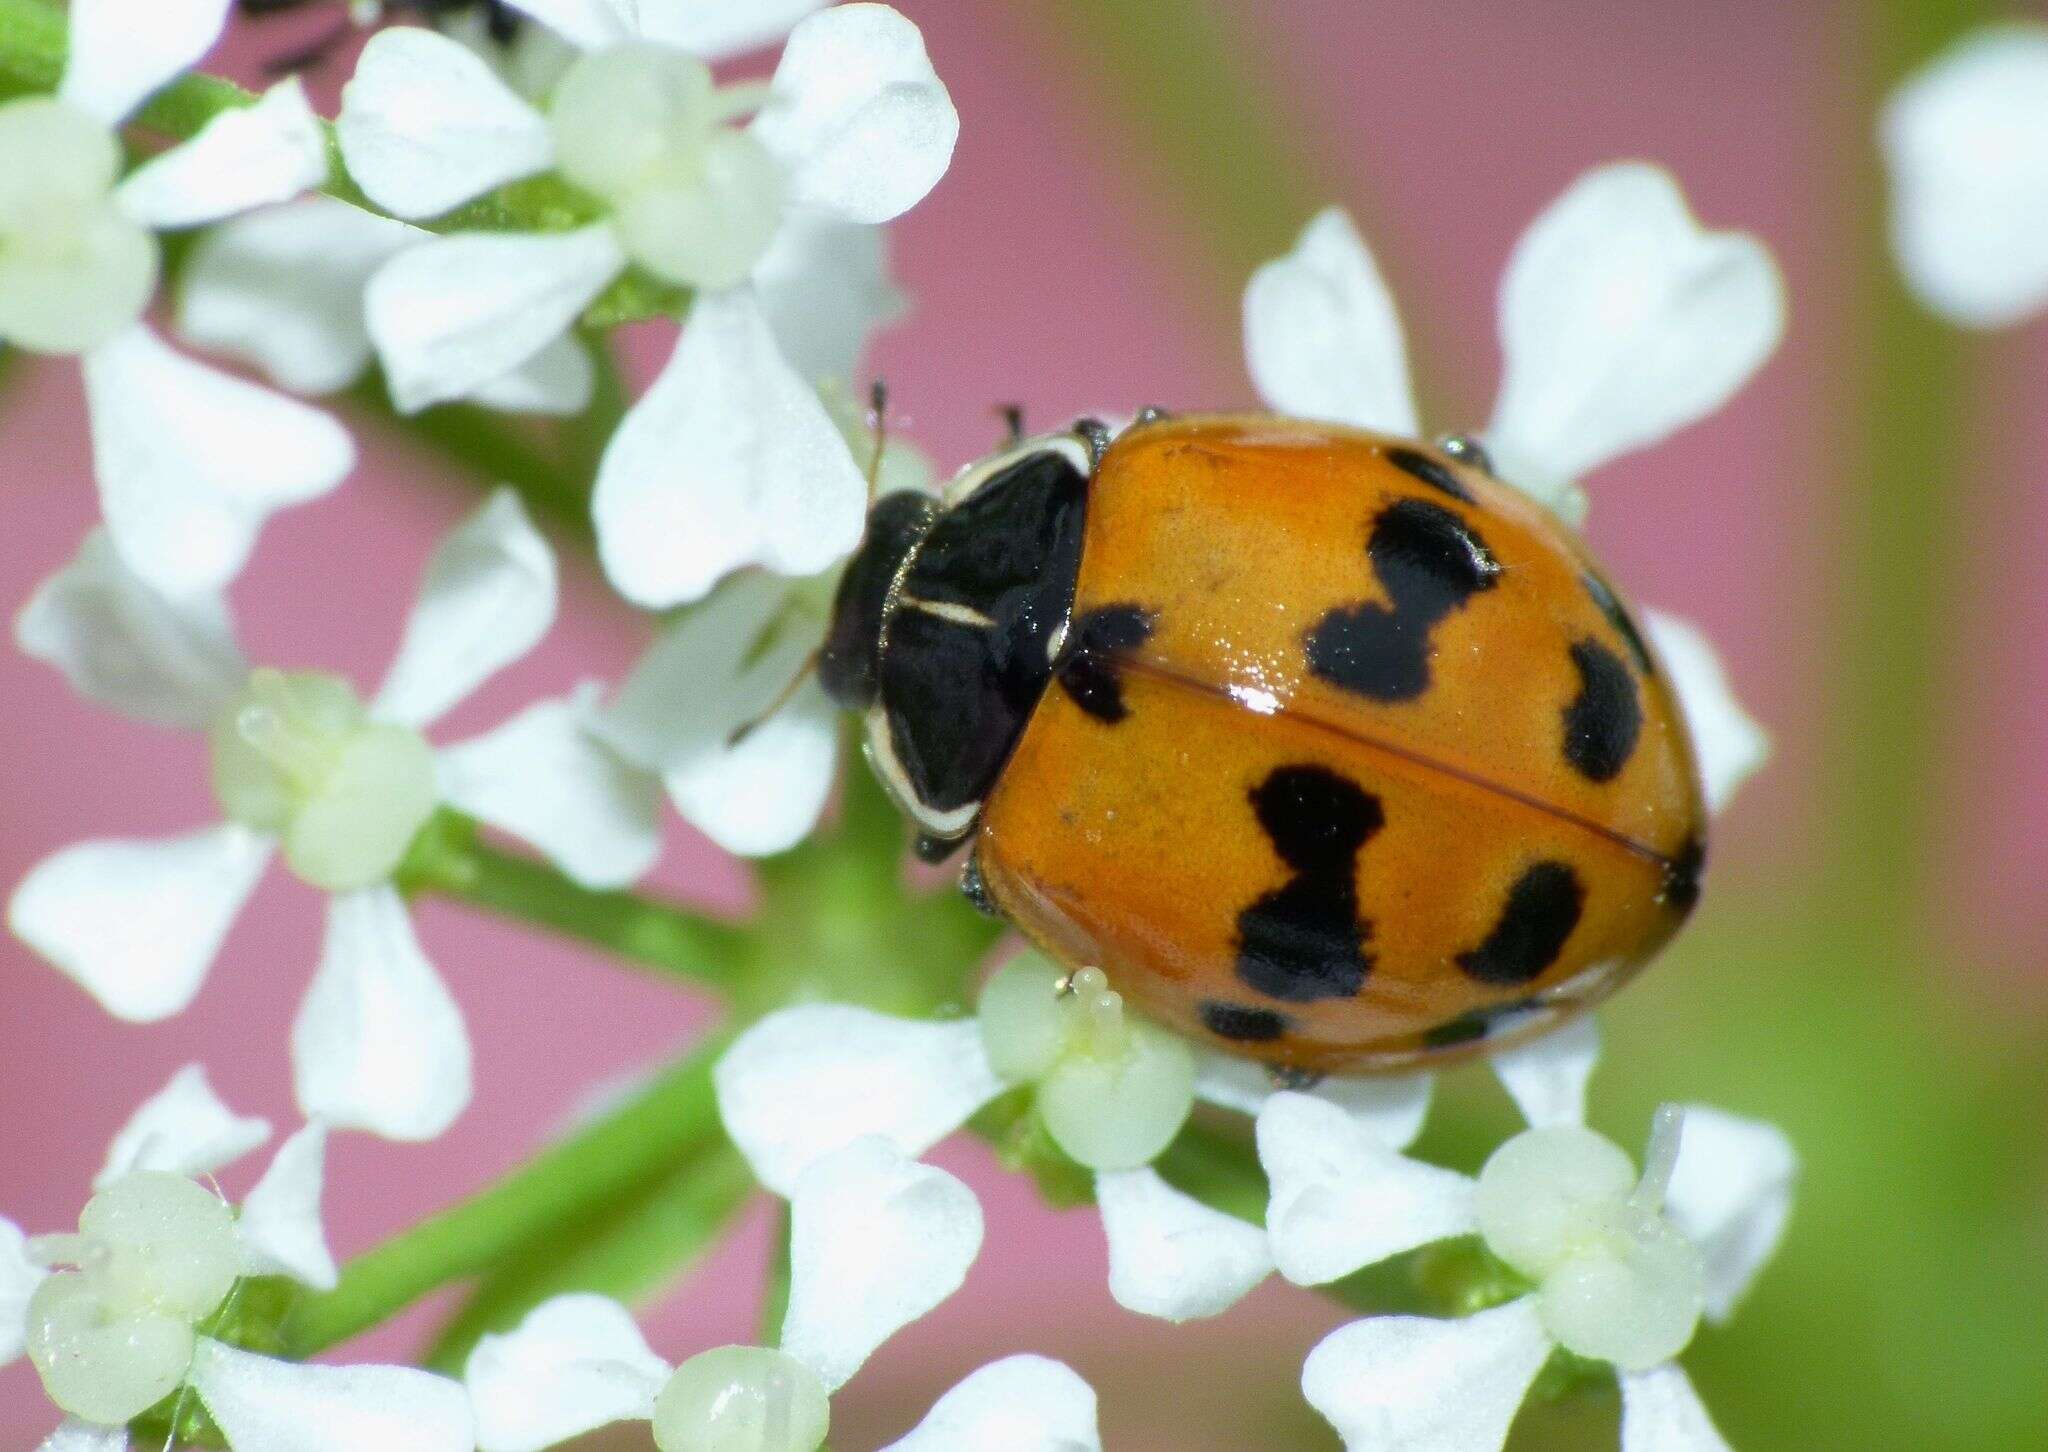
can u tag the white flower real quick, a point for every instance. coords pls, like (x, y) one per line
(1621, 322)
(283, 289)
(1966, 141)
(876, 1241)
(1621, 1268)
(747, 760)
(1112, 1091)
(157, 1255)
(302, 766)
(190, 461)
(729, 458)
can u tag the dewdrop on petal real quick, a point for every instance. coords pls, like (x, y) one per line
(742, 1399)
(695, 201)
(1113, 1090)
(295, 754)
(157, 1254)
(74, 270)
(1617, 1282)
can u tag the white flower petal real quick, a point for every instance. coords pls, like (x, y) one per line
(1018, 1404)
(1622, 322)
(825, 289)
(875, 1241)
(172, 662)
(19, 1277)
(191, 461)
(766, 794)
(547, 777)
(249, 157)
(808, 1080)
(574, 1364)
(1660, 1412)
(1322, 337)
(75, 1436)
(121, 51)
(1726, 739)
(459, 313)
(1393, 1107)
(280, 1227)
(730, 28)
(556, 382)
(425, 125)
(1413, 1384)
(709, 673)
(591, 24)
(263, 1405)
(858, 117)
(1546, 1077)
(379, 1045)
(1731, 1193)
(1341, 1199)
(182, 1129)
(487, 598)
(728, 460)
(1967, 143)
(137, 923)
(283, 289)
(715, 671)
(1170, 1255)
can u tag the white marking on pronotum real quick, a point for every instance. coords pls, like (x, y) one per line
(1073, 446)
(965, 615)
(881, 747)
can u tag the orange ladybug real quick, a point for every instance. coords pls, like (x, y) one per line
(1328, 748)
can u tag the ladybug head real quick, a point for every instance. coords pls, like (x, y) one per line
(849, 666)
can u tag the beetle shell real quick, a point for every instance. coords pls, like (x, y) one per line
(1350, 758)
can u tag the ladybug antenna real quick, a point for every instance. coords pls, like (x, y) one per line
(1012, 415)
(781, 698)
(878, 422)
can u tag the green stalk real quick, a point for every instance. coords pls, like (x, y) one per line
(449, 860)
(629, 1251)
(1903, 540)
(663, 1124)
(775, 1294)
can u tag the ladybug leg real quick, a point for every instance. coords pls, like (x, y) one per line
(1284, 1076)
(974, 887)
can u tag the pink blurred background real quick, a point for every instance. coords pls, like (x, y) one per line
(1054, 268)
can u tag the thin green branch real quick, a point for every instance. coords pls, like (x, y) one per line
(450, 860)
(629, 1250)
(665, 1123)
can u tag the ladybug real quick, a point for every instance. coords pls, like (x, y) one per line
(1327, 747)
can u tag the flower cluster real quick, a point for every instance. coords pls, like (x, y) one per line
(477, 215)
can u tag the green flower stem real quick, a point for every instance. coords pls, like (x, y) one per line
(629, 1250)
(1903, 540)
(450, 860)
(775, 1294)
(660, 1126)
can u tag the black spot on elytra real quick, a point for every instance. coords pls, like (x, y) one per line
(1682, 876)
(1306, 940)
(1433, 472)
(1618, 616)
(1429, 562)
(1090, 665)
(1603, 721)
(1242, 1023)
(1542, 909)
(1477, 1025)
